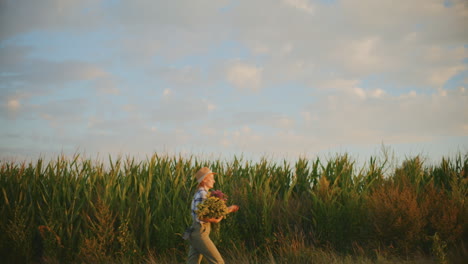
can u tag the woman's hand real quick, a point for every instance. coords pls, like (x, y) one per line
(233, 208)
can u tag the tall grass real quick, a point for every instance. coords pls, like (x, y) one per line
(80, 210)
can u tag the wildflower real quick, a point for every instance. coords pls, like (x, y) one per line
(219, 194)
(213, 207)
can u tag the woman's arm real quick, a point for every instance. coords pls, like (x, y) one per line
(233, 208)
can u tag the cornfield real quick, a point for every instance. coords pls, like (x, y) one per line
(83, 211)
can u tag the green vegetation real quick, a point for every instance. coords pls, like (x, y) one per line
(85, 211)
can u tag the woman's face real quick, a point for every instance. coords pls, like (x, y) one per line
(209, 181)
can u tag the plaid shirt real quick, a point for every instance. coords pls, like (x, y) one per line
(199, 197)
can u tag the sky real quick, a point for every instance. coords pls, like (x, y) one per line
(224, 78)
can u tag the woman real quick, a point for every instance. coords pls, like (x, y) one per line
(200, 242)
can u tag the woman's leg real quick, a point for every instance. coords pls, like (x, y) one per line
(194, 257)
(202, 244)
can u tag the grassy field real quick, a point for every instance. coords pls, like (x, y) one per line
(322, 211)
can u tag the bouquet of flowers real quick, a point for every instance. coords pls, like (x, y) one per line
(214, 206)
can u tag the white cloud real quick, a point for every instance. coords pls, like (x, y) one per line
(92, 72)
(377, 93)
(393, 45)
(129, 108)
(303, 5)
(393, 119)
(267, 143)
(13, 105)
(440, 76)
(65, 111)
(363, 54)
(28, 76)
(306, 116)
(209, 131)
(287, 49)
(260, 48)
(17, 17)
(182, 78)
(442, 92)
(225, 143)
(350, 87)
(285, 122)
(211, 107)
(359, 92)
(400, 40)
(410, 94)
(339, 84)
(178, 109)
(245, 76)
(107, 86)
(330, 55)
(248, 119)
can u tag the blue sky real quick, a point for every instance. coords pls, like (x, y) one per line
(283, 78)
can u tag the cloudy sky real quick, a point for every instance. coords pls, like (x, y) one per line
(282, 78)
